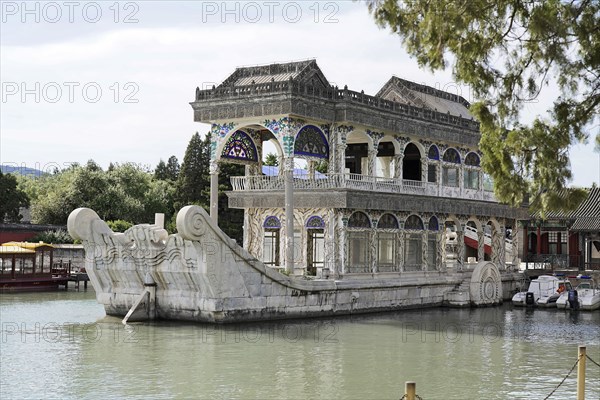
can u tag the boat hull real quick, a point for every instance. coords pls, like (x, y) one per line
(202, 275)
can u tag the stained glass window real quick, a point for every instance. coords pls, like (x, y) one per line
(311, 142)
(433, 153)
(240, 147)
(272, 222)
(433, 224)
(451, 155)
(472, 159)
(413, 222)
(359, 220)
(387, 221)
(315, 222)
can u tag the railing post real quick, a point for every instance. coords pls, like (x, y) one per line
(410, 390)
(581, 373)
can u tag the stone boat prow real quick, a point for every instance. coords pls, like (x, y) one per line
(200, 274)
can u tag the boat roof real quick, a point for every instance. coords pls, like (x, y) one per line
(9, 249)
(27, 245)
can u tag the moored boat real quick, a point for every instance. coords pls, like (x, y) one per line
(586, 296)
(543, 291)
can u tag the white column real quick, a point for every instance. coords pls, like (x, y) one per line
(460, 248)
(398, 160)
(480, 245)
(289, 213)
(424, 244)
(214, 191)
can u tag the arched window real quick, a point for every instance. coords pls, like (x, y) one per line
(433, 224)
(413, 222)
(413, 244)
(315, 244)
(359, 220)
(411, 163)
(387, 221)
(315, 222)
(359, 253)
(433, 227)
(472, 159)
(311, 142)
(450, 172)
(433, 153)
(452, 156)
(240, 147)
(386, 243)
(272, 227)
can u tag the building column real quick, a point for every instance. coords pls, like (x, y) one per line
(461, 178)
(214, 191)
(539, 241)
(398, 160)
(289, 213)
(480, 244)
(460, 248)
(424, 244)
(371, 162)
(342, 246)
(401, 245)
(515, 245)
(424, 168)
(311, 168)
(525, 240)
(374, 248)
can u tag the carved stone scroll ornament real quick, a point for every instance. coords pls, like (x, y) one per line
(192, 222)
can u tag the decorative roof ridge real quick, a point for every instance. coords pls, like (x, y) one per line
(268, 69)
(421, 88)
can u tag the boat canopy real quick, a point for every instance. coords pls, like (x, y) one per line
(27, 245)
(10, 249)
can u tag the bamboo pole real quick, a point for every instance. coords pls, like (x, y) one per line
(410, 390)
(581, 373)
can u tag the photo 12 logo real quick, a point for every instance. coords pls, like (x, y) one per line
(53, 12)
(70, 92)
(253, 12)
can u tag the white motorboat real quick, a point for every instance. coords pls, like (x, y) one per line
(586, 296)
(543, 292)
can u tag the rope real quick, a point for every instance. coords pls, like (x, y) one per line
(563, 381)
(590, 358)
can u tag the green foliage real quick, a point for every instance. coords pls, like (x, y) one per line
(322, 166)
(168, 171)
(193, 183)
(59, 236)
(119, 225)
(12, 198)
(271, 160)
(506, 51)
(126, 192)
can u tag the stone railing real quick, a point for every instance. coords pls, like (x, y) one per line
(358, 182)
(333, 93)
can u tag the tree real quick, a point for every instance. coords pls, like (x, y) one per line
(12, 199)
(168, 171)
(507, 51)
(193, 183)
(271, 160)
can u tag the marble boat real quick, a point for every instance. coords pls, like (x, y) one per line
(392, 211)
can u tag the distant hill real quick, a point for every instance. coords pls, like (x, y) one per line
(9, 169)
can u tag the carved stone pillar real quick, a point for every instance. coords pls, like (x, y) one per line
(373, 244)
(460, 247)
(424, 245)
(439, 259)
(401, 245)
(311, 166)
(480, 245)
(398, 160)
(502, 247)
(214, 191)
(341, 243)
(515, 245)
(424, 166)
(371, 162)
(289, 213)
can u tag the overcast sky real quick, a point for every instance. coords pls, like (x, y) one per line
(113, 81)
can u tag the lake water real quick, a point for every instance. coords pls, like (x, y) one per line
(61, 345)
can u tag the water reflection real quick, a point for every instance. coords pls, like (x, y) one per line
(60, 345)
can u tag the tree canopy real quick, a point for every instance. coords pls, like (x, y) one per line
(508, 52)
(12, 199)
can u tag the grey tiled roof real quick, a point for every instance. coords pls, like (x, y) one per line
(587, 216)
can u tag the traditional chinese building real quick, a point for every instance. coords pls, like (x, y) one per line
(400, 188)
